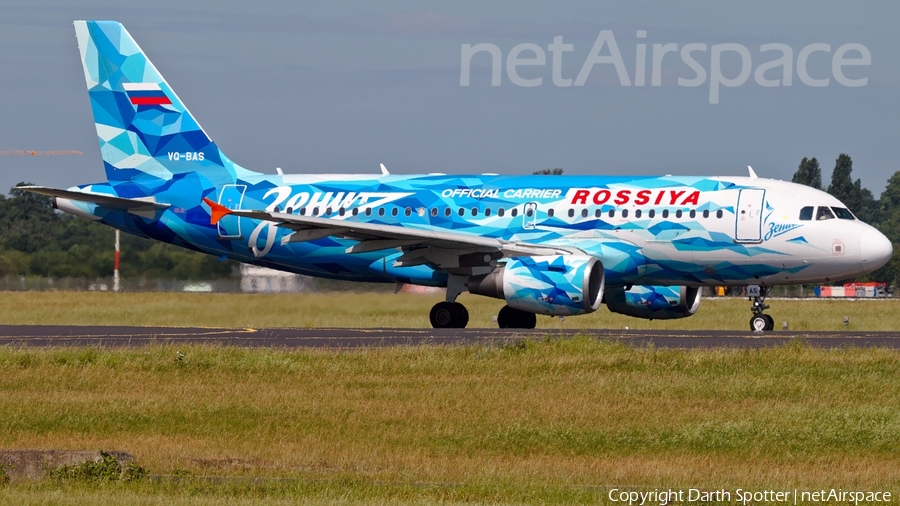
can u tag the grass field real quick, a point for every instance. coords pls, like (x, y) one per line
(550, 421)
(343, 309)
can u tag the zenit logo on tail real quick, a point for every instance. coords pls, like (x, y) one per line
(146, 94)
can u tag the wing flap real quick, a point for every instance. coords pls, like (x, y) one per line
(136, 206)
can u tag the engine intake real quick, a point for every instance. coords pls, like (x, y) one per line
(654, 302)
(549, 285)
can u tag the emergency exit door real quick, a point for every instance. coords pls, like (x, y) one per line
(232, 196)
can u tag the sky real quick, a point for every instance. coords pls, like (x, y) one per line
(339, 87)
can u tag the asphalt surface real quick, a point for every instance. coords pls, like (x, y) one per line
(45, 336)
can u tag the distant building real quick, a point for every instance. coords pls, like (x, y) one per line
(256, 279)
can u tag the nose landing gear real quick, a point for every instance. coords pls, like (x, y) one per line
(759, 322)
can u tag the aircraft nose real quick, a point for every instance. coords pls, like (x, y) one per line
(875, 250)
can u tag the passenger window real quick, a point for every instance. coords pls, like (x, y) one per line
(665, 213)
(824, 213)
(447, 212)
(571, 213)
(461, 211)
(302, 211)
(549, 213)
(719, 213)
(806, 213)
(514, 212)
(693, 213)
(584, 213)
(368, 211)
(652, 213)
(597, 213)
(637, 213)
(355, 211)
(434, 211)
(501, 212)
(381, 211)
(624, 213)
(408, 211)
(529, 212)
(421, 211)
(706, 213)
(843, 213)
(327, 211)
(612, 213)
(487, 212)
(341, 211)
(395, 211)
(678, 213)
(474, 211)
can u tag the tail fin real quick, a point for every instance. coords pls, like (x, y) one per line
(146, 133)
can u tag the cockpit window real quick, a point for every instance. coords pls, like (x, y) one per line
(806, 213)
(824, 213)
(843, 213)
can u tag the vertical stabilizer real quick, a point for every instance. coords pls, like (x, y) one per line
(146, 133)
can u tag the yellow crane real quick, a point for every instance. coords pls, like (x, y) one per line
(6, 151)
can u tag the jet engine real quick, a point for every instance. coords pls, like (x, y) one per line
(549, 285)
(654, 302)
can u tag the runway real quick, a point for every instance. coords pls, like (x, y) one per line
(342, 338)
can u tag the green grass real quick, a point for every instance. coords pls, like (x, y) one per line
(399, 310)
(553, 421)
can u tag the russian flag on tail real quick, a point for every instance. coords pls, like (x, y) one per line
(146, 94)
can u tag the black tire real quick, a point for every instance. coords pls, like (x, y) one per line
(449, 315)
(759, 323)
(512, 318)
(771, 323)
(462, 315)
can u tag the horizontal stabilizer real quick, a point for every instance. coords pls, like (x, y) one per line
(140, 206)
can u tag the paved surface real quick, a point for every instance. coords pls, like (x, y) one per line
(38, 335)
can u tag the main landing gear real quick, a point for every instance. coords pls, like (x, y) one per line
(451, 314)
(759, 322)
(512, 318)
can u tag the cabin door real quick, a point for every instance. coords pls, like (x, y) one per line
(749, 215)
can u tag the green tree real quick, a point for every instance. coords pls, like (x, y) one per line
(549, 172)
(842, 186)
(809, 173)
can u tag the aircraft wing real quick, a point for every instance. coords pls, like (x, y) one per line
(374, 237)
(139, 206)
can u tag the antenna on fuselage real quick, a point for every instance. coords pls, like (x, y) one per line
(384, 171)
(752, 174)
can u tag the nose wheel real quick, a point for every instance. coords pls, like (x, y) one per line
(759, 322)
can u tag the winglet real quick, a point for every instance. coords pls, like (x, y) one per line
(384, 171)
(218, 211)
(752, 174)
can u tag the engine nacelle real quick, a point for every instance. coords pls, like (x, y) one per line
(654, 302)
(549, 285)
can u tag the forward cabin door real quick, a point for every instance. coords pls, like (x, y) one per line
(232, 196)
(749, 215)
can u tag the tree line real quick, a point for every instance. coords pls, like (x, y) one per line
(36, 240)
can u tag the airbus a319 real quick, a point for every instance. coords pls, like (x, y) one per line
(545, 245)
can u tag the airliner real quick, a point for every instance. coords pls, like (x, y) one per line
(545, 245)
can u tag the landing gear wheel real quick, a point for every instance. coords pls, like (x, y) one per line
(512, 318)
(758, 323)
(449, 315)
(771, 322)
